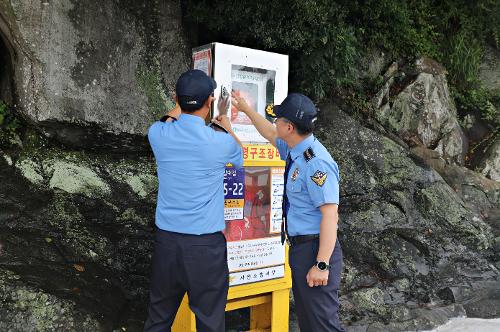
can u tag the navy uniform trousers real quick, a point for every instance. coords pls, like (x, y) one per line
(196, 264)
(316, 307)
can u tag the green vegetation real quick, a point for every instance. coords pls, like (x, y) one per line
(322, 45)
(479, 101)
(325, 39)
(9, 125)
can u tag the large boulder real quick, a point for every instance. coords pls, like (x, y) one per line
(415, 252)
(415, 104)
(91, 73)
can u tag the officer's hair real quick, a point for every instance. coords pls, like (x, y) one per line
(187, 108)
(303, 131)
(190, 108)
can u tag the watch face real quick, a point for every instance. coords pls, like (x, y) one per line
(322, 266)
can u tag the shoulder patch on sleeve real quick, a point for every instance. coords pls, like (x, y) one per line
(309, 154)
(319, 178)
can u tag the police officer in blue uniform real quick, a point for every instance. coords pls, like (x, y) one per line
(190, 253)
(310, 203)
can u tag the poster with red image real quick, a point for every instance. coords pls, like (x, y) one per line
(254, 248)
(249, 92)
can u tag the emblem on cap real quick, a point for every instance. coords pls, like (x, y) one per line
(319, 178)
(295, 174)
(270, 110)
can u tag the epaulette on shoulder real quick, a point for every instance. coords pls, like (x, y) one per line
(309, 154)
(164, 118)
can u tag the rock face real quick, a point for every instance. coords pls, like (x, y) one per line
(490, 163)
(489, 71)
(75, 239)
(76, 234)
(480, 194)
(91, 73)
(410, 240)
(416, 105)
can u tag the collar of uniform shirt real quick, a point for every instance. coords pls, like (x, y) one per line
(188, 118)
(301, 147)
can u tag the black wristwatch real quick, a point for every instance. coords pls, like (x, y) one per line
(322, 266)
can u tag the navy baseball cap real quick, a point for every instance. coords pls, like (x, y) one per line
(193, 88)
(296, 108)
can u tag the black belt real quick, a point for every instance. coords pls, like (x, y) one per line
(294, 240)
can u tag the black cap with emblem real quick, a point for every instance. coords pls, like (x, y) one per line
(297, 108)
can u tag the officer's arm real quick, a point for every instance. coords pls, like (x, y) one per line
(228, 145)
(264, 127)
(323, 188)
(226, 124)
(327, 232)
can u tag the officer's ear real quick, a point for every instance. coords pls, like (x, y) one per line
(208, 102)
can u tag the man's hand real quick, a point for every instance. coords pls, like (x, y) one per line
(223, 105)
(240, 103)
(316, 277)
(223, 121)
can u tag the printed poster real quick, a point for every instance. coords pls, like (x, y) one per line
(234, 189)
(277, 188)
(252, 246)
(202, 60)
(256, 86)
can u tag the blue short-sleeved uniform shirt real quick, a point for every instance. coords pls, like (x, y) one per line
(190, 159)
(312, 182)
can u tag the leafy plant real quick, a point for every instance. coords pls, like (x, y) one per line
(326, 39)
(9, 124)
(323, 48)
(463, 62)
(479, 101)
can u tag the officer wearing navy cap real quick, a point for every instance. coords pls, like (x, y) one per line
(310, 203)
(190, 253)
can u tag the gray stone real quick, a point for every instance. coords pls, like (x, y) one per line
(95, 74)
(78, 213)
(479, 193)
(30, 170)
(490, 163)
(489, 70)
(76, 179)
(423, 113)
(371, 65)
(405, 227)
(28, 309)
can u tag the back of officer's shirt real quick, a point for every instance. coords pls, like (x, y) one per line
(191, 158)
